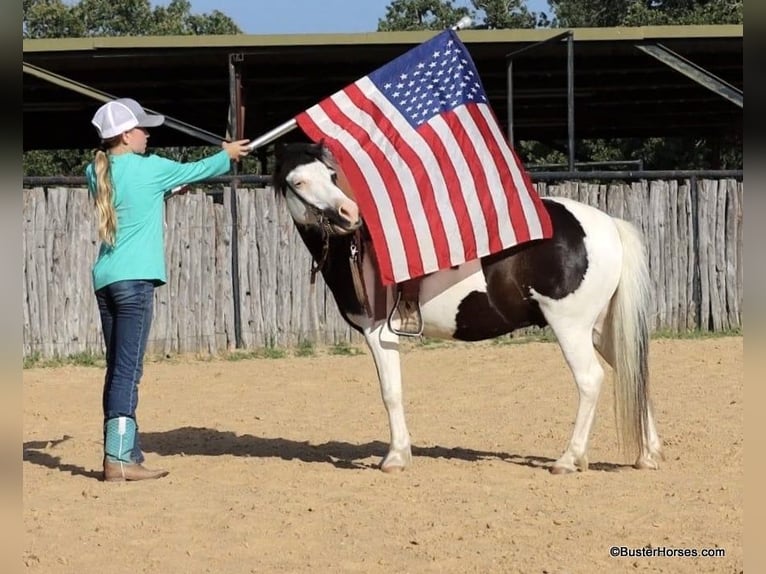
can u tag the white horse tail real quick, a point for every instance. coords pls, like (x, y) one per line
(627, 338)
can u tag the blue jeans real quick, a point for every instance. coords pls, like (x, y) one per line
(126, 317)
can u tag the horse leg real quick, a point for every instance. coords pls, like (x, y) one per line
(588, 374)
(648, 458)
(651, 454)
(384, 346)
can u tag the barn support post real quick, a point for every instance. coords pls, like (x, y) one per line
(696, 280)
(509, 102)
(235, 130)
(570, 100)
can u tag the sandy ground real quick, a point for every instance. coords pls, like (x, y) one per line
(273, 468)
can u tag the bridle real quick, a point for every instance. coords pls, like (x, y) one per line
(323, 222)
(355, 250)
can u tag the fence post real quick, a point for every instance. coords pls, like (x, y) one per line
(236, 129)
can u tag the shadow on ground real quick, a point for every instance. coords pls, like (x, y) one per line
(37, 452)
(197, 441)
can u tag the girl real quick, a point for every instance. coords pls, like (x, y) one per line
(129, 188)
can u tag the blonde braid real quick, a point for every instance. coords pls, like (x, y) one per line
(107, 216)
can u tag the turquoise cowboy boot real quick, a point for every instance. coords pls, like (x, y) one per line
(119, 440)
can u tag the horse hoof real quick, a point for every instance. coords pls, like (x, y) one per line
(561, 470)
(392, 469)
(646, 464)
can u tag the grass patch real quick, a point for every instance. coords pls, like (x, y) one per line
(262, 353)
(272, 353)
(239, 355)
(305, 349)
(84, 359)
(529, 335)
(668, 334)
(344, 349)
(31, 360)
(428, 344)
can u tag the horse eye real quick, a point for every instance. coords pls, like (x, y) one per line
(333, 177)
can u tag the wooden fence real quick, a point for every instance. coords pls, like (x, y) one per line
(693, 237)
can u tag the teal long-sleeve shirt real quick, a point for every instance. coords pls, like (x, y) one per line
(139, 185)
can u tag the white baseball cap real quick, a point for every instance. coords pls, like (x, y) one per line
(118, 116)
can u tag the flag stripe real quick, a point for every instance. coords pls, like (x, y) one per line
(535, 214)
(421, 158)
(498, 185)
(396, 144)
(389, 249)
(476, 218)
(451, 198)
(480, 177)
(511, 213)
(339, 108)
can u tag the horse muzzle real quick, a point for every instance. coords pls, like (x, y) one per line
(345, 219)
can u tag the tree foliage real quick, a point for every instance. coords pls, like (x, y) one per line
(86, 18)
(505, 14)
(656, 153)
(441, 14)
(89, 18)
(600, 13)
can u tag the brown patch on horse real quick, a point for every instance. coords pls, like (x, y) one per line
(553, 267)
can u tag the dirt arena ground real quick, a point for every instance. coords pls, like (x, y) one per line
(273, 468)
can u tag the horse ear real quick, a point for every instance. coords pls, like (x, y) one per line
(317, 149)
(326, 155)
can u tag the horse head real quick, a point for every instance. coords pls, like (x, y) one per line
(306, 175)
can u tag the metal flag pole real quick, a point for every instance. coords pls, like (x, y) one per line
(271, 135)
(100, 96)
(290, 125)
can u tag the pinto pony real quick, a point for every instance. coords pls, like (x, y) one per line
(589, 283)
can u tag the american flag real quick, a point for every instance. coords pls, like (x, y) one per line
(435, 180)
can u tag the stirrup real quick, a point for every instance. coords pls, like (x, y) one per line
(410, 319)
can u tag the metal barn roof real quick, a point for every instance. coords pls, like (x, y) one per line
(620, 90)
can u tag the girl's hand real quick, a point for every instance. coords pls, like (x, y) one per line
(236, 149)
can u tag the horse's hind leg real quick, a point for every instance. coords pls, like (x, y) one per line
(588, 374)
(652, 453)
(384, 346)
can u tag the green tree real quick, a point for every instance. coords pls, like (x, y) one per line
(588, 13)
(505, 14)
(441, 14)
(420, 15)
(662, 12)
(724, 152)
(601, 13)
(88, 18)
(656, 153)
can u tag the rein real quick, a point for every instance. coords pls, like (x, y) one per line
(355, 263)
(316, 266)
(355, 251)
(324, 226)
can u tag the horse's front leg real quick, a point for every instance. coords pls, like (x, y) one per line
(384, 346)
